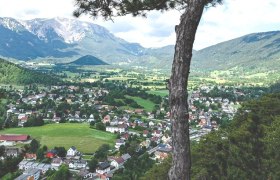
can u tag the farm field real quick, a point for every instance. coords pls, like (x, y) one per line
(80, 135)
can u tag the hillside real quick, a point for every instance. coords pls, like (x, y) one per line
(13, 74)
(254, 51)
(88, 60)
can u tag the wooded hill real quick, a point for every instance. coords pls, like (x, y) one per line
(88, 60)
(13, 74)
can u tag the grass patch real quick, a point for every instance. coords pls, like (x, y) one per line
(147, 104)
(69, 134)
(161, 93)
(87, 157)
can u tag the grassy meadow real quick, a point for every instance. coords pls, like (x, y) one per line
(147, 104)
(161, 93)
(69, 134)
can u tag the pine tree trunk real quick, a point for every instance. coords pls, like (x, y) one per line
(185, 32)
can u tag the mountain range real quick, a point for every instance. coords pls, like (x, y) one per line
(63, 40)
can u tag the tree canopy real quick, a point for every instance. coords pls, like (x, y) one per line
(113, 8)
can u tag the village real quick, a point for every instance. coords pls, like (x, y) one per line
(138, 131)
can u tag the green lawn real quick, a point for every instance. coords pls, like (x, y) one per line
(161, 93)
(70, 134)
(147, 104)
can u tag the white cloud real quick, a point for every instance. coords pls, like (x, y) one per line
(232, 19)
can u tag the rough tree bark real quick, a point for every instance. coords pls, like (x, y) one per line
(185, 35)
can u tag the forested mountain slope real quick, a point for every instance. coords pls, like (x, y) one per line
(13, 74)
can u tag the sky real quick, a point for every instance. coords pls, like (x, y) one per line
(233, 19)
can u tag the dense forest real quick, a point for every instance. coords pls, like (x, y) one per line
(248, 148)
(13, 74)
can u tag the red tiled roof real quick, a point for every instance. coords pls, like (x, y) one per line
(30, 156)
(23, 118)
(13, 137)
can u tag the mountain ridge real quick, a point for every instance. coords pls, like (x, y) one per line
(63, 40)
(256, 50)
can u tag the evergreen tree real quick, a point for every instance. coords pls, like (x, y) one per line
(177, 85)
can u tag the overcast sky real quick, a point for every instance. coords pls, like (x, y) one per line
(233, 19)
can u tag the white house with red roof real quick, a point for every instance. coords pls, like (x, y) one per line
(117, 162)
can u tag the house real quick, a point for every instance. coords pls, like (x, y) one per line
(72, 151)
(157, 133)
(22, 120)
(103, 167)
(119, 142)
(50, 154)
(121, 128)
(114, 122)
(91, 118)
(30, 174)
(30, 156)
(126, 157)
(78, 164)
(20, 116)
(12, 152)
(151, 124)
(166, 139)
(145, 133)
(117, 162)
(151, 116)
(145, 143)
(85, 174)
(56, 163)
(106, 119)
(125, 136)
(155, 139)
(161, 155)
(202, 122)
